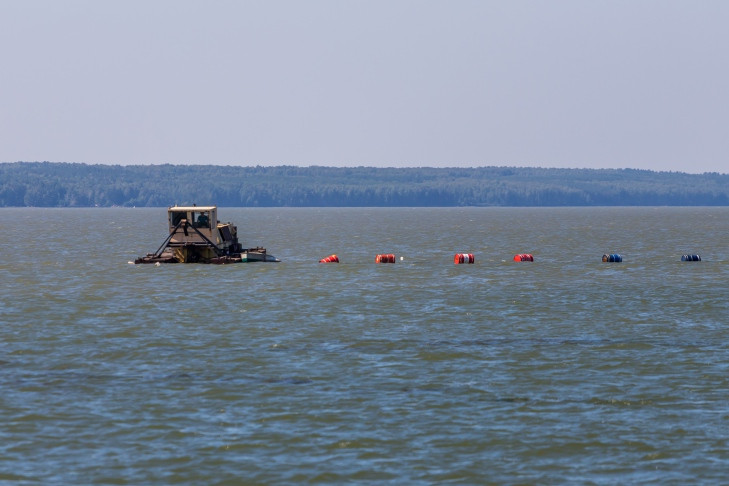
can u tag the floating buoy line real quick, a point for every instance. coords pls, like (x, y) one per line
(469, 258)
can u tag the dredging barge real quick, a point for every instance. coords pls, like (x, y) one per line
(196, 236)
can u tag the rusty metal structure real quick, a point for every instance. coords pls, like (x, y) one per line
(196, 236)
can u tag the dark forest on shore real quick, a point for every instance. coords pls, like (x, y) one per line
(54, 184)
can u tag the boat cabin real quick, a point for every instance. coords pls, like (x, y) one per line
(201, 217)
(198, 231)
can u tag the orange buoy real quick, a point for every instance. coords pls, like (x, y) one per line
(463, 258)
(385, 258)
(523, 257)
(330, 259)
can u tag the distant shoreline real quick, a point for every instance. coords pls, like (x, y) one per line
(57, 184)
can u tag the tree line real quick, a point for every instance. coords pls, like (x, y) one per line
(52, 184)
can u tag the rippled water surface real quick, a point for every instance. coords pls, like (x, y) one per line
(562, 370)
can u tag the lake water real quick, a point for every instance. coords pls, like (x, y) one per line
(564, 370)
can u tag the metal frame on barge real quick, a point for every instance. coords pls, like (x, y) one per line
(197, 236)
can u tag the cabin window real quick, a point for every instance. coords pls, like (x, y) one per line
(177, 217)
(202, 221)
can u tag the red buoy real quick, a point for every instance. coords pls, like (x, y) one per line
(524, 257)
(385, 258)
(463, 258)
(330, 259)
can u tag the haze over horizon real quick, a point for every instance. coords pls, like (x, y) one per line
(407, 83)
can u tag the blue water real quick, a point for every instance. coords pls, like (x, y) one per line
(564, 370)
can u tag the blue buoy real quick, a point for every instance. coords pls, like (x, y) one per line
(690, 258)
(613, 257)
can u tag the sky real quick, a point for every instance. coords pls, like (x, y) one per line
(401, 83)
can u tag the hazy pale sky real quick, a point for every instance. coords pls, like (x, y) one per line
(600, 84)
